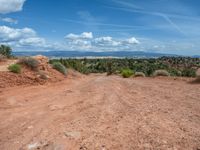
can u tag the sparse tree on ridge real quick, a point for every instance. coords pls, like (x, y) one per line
(5, 51)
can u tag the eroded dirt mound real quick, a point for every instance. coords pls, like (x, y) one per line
(8, 79)
(44, 74)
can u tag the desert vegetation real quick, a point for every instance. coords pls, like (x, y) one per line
(126, 73)
(161, 73)
(139, 74)
(29, 62)
(173, 66)
(59, 67)
(15, 68)
(5, 51)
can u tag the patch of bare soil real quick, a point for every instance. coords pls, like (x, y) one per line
(100, 112)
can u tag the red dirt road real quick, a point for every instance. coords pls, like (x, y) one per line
(103, 113)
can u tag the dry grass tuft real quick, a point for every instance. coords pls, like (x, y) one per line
(29, 62)
(140, 74)
(161, 73)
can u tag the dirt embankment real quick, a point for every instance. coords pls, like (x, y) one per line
(28, 76)
(100, 112)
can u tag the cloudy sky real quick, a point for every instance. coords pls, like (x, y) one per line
(166, 26)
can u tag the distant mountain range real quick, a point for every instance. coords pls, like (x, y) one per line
(138, 54)
(130, 54)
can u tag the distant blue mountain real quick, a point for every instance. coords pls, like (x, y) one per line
(196, 56)
(130, 54)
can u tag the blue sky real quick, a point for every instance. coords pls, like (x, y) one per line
(165, 26)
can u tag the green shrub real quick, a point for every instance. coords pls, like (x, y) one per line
(189, 72)
(161, 73)
(5, 51)
(126, 73)
(16, 68)
(139, 74)
(59, 67)
(175, 72)
(109, 68)
(29, 62)
(174, 65)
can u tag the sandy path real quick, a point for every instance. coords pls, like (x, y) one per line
(99, 112)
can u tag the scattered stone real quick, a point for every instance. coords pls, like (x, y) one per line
(37, 145)
(33, 146)
(30, 127)
(43, 62)
(75, 134)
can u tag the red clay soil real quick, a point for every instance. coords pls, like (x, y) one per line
(103, 113)
(27, 77)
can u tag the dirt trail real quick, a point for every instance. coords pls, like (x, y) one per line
(100, 112)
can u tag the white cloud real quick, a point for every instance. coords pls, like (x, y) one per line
(104, 39)
(107, 40)
(22, 38)
(86, 41)
(10, 34)
(80, 44)
(8, 6)
(79, 41)
(27, 39)
(34, 41)
(9, 20)
(84, 35)
(132, 40)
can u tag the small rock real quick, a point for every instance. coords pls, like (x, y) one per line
(33, 146)
(30, 127)
(75, 135)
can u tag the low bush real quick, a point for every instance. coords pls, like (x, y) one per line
(109, 68)
(161, 73)
(29, 62)
(139, 74)
(6, 51)
(59, 67)
(175, 72)
(174, 65)
(16, 68)
(126, 73)
(189, 72)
